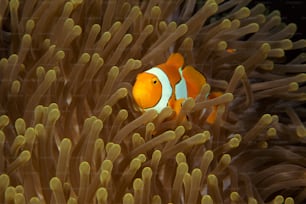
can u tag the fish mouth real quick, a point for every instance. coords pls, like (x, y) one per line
(142, 101)
(139, 101)
(138, 98)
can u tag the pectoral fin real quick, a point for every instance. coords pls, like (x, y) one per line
(177, 106)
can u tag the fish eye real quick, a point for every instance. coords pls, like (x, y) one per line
(154, 81)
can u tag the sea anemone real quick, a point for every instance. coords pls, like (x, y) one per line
(70, 131)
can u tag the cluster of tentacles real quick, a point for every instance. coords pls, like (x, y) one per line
(70, 131)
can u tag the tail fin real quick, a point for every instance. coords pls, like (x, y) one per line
(213, 115)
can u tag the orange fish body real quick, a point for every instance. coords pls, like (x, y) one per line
(167, 84)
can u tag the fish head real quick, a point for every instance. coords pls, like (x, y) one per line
(147, 90)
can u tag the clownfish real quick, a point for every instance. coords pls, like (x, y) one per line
(168, 84)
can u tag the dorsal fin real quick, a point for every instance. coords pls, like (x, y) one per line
(175, 60)
(171, 68)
